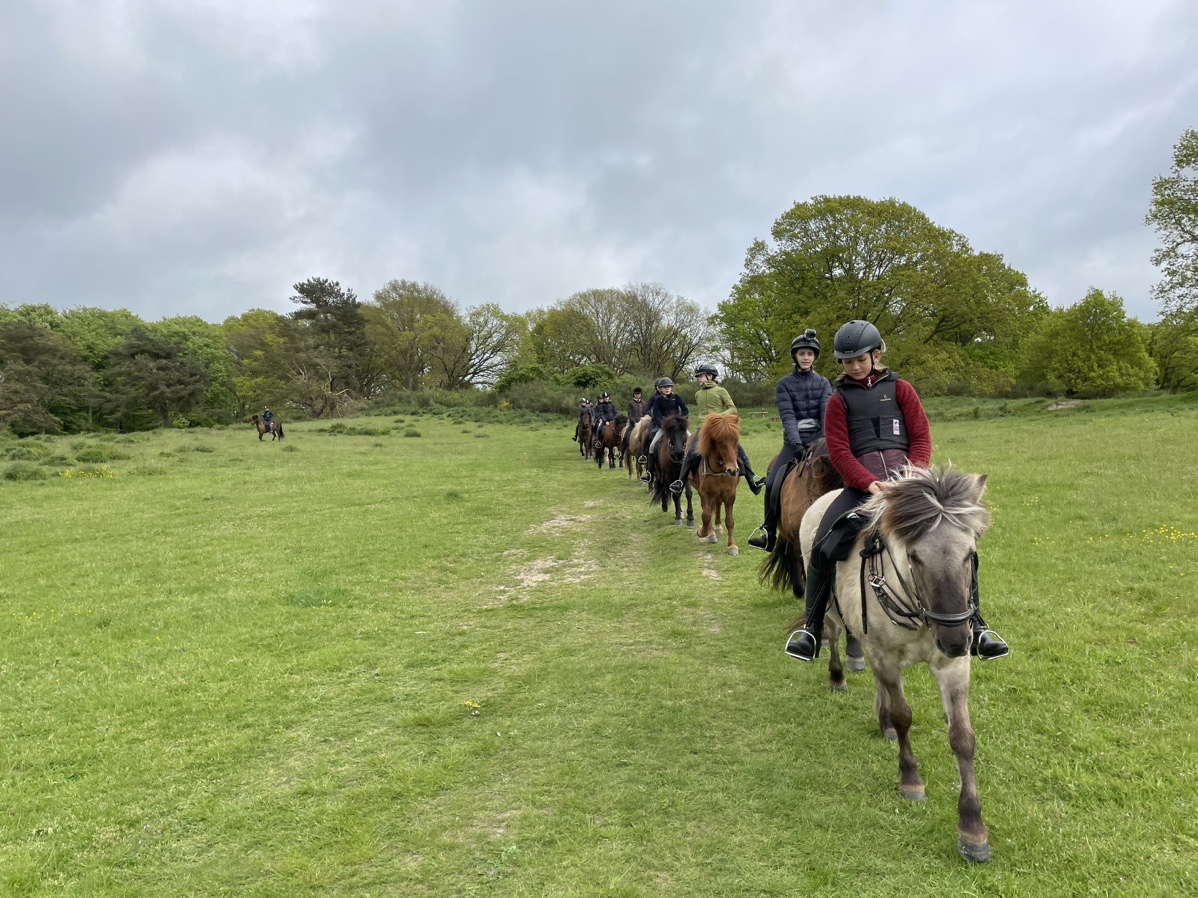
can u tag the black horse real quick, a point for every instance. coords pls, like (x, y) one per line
(671, 448)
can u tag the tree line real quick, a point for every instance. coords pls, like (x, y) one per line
(956, 321)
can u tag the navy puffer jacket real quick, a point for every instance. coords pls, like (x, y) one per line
(802, 395)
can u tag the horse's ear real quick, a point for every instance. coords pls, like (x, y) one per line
(981, 484)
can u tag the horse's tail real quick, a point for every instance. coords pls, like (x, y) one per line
(783, 568)
(281, 434)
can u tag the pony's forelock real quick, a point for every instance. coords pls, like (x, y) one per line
(718, 430)
(922, 498)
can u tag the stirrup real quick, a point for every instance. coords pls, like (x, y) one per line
(646, 477)
(642, 460)
(996, 646)
(800, 648)
(676, 487)
(760, 542)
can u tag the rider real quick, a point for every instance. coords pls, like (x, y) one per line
(605, 410)
(801, 397)
(267, 416)
(712, 399)
(661, 406)
(584, 412)
(636, 411)
(874, 425)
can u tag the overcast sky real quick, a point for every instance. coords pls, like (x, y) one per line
(201, 156)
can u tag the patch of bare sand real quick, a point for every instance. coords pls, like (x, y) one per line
(558, 524)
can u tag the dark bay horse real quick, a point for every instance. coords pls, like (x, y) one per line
(718, 475)
(905, 588)
(274, 428)
(671, 449)
(586, 436)
(611, 437)
(812, 477)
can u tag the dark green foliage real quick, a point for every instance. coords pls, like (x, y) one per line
(24, 470)
(149, 378)
(99, 455)
(411, 433)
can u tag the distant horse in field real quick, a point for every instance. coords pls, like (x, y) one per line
(636, 448)
(718, 475)
(586, 436)
(274, 428)
(671, 449)
(905, 587)
(611, 437)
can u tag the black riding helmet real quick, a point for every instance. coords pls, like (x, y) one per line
(806, 340)
(707, 369)
(856, 338)
(663, 382)
(603, 396)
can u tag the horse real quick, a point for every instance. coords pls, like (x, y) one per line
(609, 440)
(718, 475)
(274, 428)
(906, 589)
(636, 448)
(586, 436)
(812, 477)
(671, 449)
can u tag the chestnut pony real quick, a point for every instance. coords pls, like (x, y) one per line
(718, 475)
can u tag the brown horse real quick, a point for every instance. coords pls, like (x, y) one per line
(812, 477)
(636, 448)
(906, 588)
(586, 436)
(609, 441)
(718, 475)
(671, 449)
(274, 428)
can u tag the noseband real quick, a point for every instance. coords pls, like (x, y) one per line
(907, 610)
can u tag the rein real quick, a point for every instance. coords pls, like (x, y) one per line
(707, 472)
(907, 610)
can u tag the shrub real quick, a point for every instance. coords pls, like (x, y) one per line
(411, 433)
(24, 470)
(98, 455)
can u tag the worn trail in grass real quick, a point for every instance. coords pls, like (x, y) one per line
(470, 663)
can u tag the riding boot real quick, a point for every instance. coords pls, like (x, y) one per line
(746, 469)
(765, 537)
(689, 462)
(987, 645)
(804, 643)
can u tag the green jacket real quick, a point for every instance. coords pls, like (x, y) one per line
(713, 399)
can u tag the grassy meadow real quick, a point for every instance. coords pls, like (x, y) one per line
(439, 655)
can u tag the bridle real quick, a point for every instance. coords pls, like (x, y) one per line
(707, 472)
(907, 610)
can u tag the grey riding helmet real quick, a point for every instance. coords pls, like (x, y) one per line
(663, 382)
(707, 369)
(856, 338)
(806, 340)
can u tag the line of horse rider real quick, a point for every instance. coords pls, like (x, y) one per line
(868, 426)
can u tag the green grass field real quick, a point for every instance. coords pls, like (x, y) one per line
(466, 663)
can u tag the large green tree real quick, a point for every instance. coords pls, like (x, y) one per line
(944, 309)
(45, 382)
(1090, 349)
(149, 374)
(403, 323)
(336, 330)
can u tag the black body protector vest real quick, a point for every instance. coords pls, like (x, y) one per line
(875, 420)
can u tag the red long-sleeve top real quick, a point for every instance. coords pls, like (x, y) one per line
(861, 472)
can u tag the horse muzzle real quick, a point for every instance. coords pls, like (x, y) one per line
(954, 641)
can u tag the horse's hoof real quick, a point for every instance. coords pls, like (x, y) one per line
(913, 793)
(838, 686)
(677, 522)
(734, 551)
(712, 539)
(975, 854)
(891, 735)
(855, 664)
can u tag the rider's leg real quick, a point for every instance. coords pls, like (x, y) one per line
(746, 470)
(689, 462)
(804, 643)
(987, 645)
(765, 536)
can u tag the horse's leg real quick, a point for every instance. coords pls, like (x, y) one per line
(677, 509)
(831, 641)
(952, 677)
(730, 524)
(705, 531)
(690, 512)
(890, 678)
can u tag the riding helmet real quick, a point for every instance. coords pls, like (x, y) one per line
(603, 396)
(637, 392)
(806, 340)
(856, 338)
(663, 382)
(707, 369)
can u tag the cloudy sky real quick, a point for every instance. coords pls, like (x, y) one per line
(201, 156)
